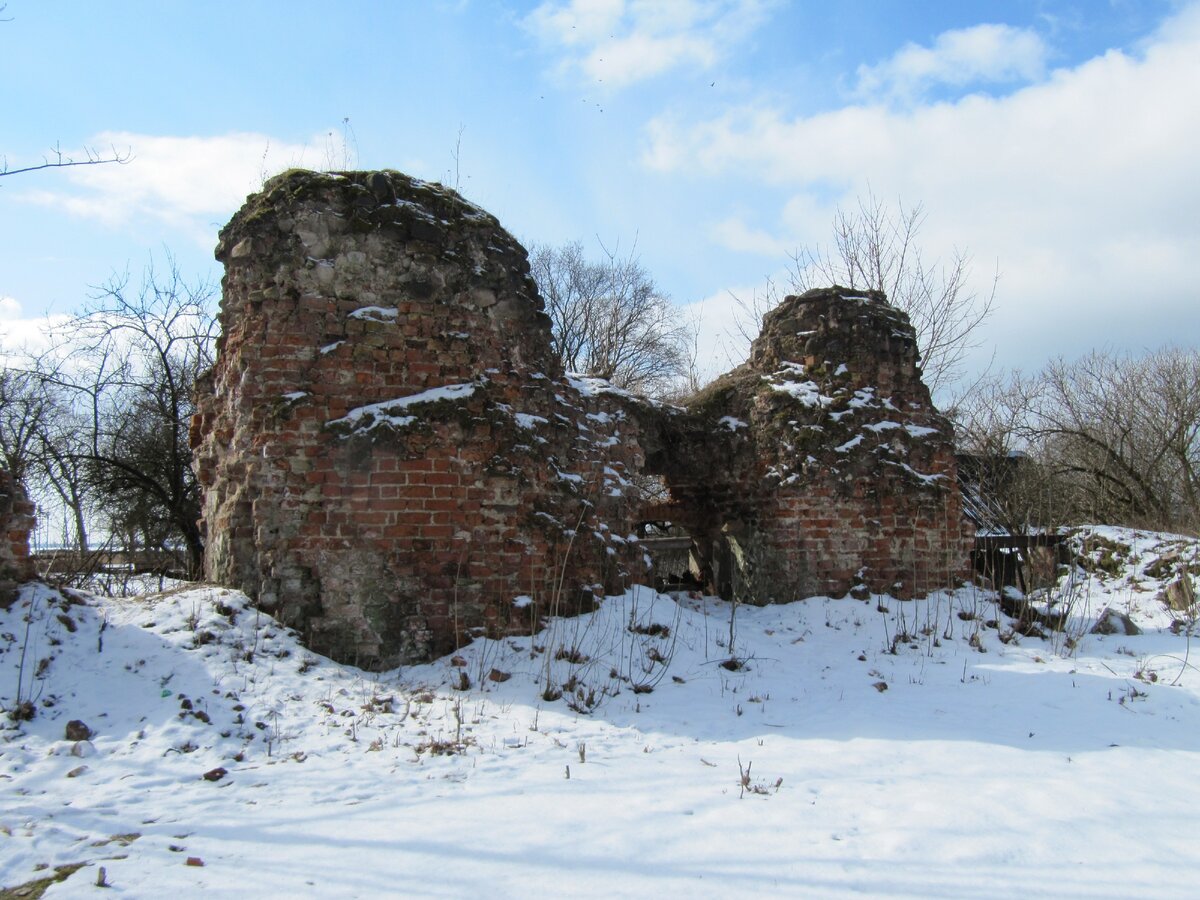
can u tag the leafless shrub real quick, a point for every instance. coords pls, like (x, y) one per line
(755, 787)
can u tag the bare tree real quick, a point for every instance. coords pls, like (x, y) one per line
(64, 472)
(1125, 431)
(1005, 481)
(1109, 438)
(42, 441)
(610, 320)
(877, 248)
(24, 410)
(129, 364)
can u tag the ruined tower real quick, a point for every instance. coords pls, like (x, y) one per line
(826, 467)
(391, 459)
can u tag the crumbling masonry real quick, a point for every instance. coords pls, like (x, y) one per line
(16, 522)
(392, 460)
(820, 466)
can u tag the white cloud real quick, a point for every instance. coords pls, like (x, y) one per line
(799, 214)
(10, 308)
(580, 23)
(734, 234)
(620, 42)
(979, 54)
(1082, 187)
(21, 337)
(184, 182)
(723, 321)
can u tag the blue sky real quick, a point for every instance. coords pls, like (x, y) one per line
(1056, 142)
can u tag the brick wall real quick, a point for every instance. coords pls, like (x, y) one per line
(391, 457)
(827, 467)
(388, 453)
(16, 522)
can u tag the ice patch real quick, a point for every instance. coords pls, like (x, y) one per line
(804, 392)
(863, 398)
(593, 387)
(920, 476)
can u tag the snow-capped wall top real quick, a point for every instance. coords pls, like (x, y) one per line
(845, 332)
(382, 238)
(843, 471)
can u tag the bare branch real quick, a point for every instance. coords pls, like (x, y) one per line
(58, 160)
(125, 370)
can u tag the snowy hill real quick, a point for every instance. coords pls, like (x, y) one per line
(839, 748)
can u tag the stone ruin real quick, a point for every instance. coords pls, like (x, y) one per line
(820, 466)
(16, 522)
(391, 458)
(393, 461)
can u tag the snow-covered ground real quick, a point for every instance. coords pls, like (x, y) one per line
(877, 748)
